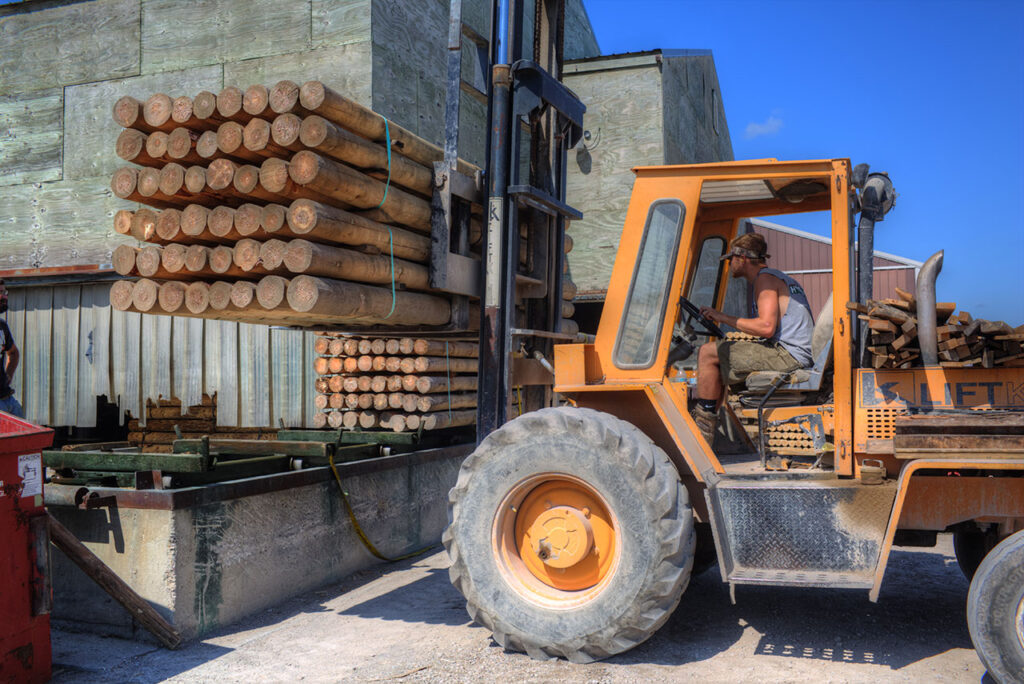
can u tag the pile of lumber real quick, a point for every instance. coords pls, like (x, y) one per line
(157, 433)
(963, 340)
(397, 384)
(278, 205)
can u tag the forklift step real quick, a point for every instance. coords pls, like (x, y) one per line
(799, 532)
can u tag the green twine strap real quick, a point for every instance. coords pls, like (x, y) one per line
(391, 238)
(387, 184)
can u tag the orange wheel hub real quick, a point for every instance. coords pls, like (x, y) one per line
(564, 535)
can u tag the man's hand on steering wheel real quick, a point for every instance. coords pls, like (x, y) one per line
(710, 327)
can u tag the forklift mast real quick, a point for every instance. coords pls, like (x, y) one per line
(530, 112)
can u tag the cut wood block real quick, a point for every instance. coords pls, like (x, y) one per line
(882, 337)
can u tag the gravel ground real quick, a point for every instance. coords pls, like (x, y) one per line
(406, 623)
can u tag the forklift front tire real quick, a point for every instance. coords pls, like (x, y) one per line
(571, 535)
(995, 610)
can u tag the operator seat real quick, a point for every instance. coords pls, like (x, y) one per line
(796, 385)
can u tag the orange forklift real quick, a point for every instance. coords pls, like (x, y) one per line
(575, 529)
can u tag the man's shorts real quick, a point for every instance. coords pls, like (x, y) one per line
(739, 358)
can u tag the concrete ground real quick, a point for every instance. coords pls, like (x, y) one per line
(406, 623)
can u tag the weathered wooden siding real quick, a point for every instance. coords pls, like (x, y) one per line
(695, 128)
(91, 131)
(74, 349)
(345, 68)
(340, 22)
(30, 137)
(625, 125)
(71, 43)
(176, 34)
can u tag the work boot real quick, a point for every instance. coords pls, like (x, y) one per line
(706, 421)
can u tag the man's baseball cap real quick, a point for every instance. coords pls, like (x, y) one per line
(750, 245)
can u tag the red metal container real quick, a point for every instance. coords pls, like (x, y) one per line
(24, 553)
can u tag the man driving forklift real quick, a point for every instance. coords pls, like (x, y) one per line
(782, 317)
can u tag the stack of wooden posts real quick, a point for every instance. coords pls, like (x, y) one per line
(278, 205)
(398, 384)
(157, 435)
(963, 340)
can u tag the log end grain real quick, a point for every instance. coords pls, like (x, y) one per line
(148, 261)
(194, 219)
(256, 135)
(123, 221)
(286, 130)
(157, 110)
(144, 294)
(195, 179)
(197, 297)
(229, 101)
(181, 109)
(221, 259)
(242, 294)
(284, 97)
(123, 259)
(179, 143)
(246, 179)
(312, 95)
(303, 293)
(272, 291)
(127, 112)
(274, 174)
(168, 224)
(220, 174)
(246, 254)
(220, 295)
(272, 254)
(196, 258)
(256, 99)
(130, 144)
(172, 258)
(230, 135)
(172, 179)
(298, 256)
(121, 295)
(206, 146)
(221, 220)
(149, 182)
(304, 167)
(144, 225)
(272, 218)
(313, 131)
(204, 105)
(171, 296)
(248, 216)
(124, 181)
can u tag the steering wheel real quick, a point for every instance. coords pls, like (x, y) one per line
(709, 325)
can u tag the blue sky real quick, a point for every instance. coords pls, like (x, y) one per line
(930, 92)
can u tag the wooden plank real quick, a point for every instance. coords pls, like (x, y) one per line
(121, 461)
(627, 107)
(227, 389)
(89, 152)
(98, 297)
(220, 31)
(287, 370)
(125, 335)
(69, 43)
(256, 447)
(340, 22)
(36, 356)
(30, 137)
(346, 68)
(59, 223)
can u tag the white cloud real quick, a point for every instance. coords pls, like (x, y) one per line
(771, 126)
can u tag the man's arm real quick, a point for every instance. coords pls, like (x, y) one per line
(767, 311)
(13, 357)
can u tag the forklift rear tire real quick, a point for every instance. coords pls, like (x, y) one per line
(971, 547)
(995, 610)
(570, 535)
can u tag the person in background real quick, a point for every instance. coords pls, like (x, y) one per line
(9, 358)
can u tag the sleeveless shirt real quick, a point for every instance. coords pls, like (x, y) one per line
(797, 325)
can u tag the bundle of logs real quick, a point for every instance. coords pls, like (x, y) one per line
(963, 340)
(157, 433)
(276, 205)
(399, 384)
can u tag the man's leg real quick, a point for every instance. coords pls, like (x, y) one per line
(12, 406)
(709, 391)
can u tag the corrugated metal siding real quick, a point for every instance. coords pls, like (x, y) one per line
(80, 349)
